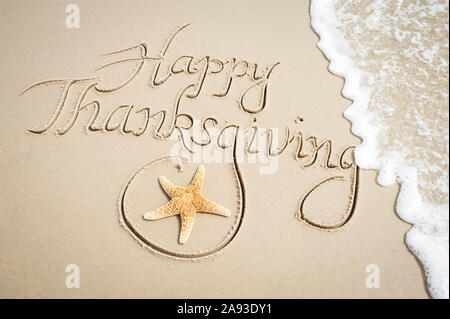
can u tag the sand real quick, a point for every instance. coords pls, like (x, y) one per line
(62, 191)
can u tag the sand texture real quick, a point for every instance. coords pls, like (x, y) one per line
(304, 221)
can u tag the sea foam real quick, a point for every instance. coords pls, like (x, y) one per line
(393, 56)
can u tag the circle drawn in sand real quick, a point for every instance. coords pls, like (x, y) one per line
(211, 233)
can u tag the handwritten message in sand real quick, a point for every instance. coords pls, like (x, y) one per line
(195, 134)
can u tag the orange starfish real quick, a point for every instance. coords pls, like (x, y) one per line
(186, 201)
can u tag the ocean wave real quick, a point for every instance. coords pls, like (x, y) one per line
(394, 57)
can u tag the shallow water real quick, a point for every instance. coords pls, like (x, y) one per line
(394, 58)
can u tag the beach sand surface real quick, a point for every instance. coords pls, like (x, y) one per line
(60, 194)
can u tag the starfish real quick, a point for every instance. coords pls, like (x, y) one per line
(187, 202)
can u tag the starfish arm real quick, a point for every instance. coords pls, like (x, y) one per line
(169, 209)
(187, 223)
(206, 206)
(197, 182)
(169, 188)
